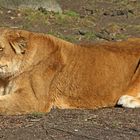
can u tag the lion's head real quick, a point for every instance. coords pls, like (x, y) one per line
(19, 50)
(12, 50)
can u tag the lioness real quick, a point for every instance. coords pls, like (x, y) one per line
(39, 71)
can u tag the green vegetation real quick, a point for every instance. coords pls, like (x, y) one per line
(70, 38)
(71, 13)
(121, 36)
(34, 16)
(90, 36)
(69, 24)
(68, 20)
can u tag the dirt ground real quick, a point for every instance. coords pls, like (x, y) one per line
(81, 21)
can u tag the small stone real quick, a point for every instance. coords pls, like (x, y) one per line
(9, 11)
(12, 18)
(82, 32)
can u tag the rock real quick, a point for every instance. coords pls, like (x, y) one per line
(49, 5)
(82, 32)
(118, 12)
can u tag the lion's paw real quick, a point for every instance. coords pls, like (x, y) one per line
(129, 101)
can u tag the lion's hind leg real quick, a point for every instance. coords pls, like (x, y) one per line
(131, 98)
(129, 101)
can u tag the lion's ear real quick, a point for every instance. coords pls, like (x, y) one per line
(19, 45)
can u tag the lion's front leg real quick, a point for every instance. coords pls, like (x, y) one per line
(13, 104)
(17, 100)
(23, 102)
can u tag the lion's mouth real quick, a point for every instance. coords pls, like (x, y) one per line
(3, 66)
(3, 70)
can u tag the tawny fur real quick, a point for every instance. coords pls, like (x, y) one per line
(39, 71)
